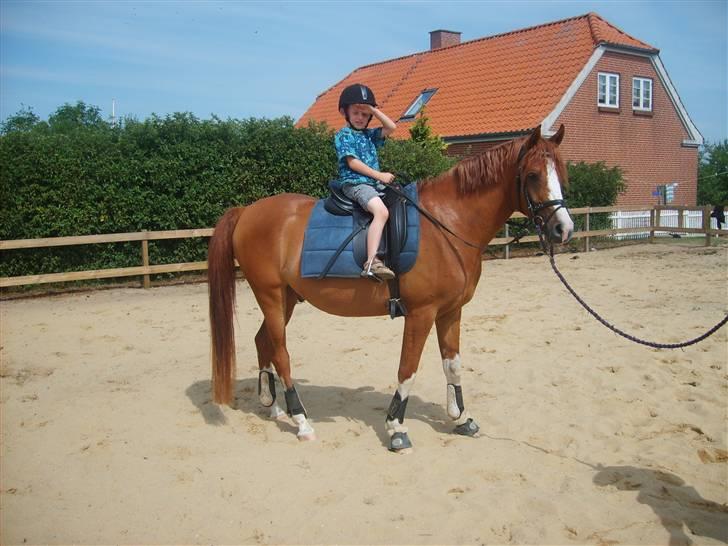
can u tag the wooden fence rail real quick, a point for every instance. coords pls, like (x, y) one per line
(145, 269)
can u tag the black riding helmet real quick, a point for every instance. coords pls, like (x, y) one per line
(356, 94)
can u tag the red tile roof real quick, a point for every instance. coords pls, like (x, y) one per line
(498, 84)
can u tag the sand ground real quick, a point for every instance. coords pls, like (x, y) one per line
(109, 436)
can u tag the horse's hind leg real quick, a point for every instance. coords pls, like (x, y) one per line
(266, 374)
(448, 337)
(277, 306)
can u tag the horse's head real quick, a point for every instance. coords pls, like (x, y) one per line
(541, 175)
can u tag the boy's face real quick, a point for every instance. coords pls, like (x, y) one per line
(359, 115)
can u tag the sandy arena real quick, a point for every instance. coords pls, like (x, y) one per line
(109, 436)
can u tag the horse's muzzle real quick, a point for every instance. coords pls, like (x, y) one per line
(560, 228)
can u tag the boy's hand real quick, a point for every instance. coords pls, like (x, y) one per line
(386, 178)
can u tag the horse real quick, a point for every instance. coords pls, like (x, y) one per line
(467, 205)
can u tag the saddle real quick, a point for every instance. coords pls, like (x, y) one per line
(393, 240)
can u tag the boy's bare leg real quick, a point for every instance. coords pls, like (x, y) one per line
(377, 207)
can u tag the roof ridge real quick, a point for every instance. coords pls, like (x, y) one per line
(481, 39)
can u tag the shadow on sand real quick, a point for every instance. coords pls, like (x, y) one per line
(323, 404)
(677, 504)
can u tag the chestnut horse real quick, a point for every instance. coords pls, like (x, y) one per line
(472, 200)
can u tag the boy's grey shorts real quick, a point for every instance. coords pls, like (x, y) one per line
(361, 193)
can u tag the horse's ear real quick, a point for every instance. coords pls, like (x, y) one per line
(534, 138)
(559, 136)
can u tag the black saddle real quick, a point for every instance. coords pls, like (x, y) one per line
(393, 239)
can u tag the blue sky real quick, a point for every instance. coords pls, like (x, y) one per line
(268, 59)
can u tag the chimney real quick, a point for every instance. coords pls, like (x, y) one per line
(443, 38)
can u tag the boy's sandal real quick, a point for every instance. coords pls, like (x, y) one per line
(376, 269)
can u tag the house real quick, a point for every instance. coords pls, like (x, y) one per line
(609, 89)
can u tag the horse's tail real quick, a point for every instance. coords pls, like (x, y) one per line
(221, 288)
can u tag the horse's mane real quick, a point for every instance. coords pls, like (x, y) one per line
(484, 168)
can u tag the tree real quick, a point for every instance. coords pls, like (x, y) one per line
(73, 116)
(422, 156)
(24, 120)
(713, 174)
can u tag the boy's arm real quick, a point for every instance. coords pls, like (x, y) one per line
(388, 126)
(362, 168)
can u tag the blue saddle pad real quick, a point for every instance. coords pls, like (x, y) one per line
(325, 232)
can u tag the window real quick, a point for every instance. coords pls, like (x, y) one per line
(418, 103)
(642, 94)
(608, 90)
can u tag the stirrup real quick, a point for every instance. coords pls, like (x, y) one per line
(367, 273)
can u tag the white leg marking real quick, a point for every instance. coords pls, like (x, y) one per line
(276, 412)
(403, 389)
(554, 185)
(452, 368)
(305, 430)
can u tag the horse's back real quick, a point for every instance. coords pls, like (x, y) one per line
(269, 235)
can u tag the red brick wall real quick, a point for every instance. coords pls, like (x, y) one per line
(647, 148)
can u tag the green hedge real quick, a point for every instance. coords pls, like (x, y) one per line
(77, 174)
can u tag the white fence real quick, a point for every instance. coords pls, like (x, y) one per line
(668, 218)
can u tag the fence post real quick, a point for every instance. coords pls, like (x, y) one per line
(680, 220)
(508, 247)
(145, 262)
(587, 227)
(706, 225)
(654, 222)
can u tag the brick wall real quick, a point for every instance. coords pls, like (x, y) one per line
(648, 148)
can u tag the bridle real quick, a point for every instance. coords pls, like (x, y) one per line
(534, 209)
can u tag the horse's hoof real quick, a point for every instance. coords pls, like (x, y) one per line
(400, 443)
(468, 428)
(307, 437)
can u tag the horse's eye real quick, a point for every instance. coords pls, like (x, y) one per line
(532, 177)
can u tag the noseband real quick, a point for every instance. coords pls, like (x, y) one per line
(535, 208)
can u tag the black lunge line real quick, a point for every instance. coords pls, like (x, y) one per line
(549, 250)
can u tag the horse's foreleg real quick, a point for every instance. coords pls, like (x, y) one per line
(417, 326)
(448, 337)
(271, 345)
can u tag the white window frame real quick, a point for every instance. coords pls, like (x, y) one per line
(604, 101)
(641, 94)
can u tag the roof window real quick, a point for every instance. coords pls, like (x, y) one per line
(418, 103)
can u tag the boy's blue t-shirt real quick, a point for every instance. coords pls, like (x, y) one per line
(363, 146)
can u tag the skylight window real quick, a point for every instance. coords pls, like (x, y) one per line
(418, 103)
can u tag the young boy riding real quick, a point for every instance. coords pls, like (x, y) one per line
(359, 174)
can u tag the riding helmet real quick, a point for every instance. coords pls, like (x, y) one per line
(356, 94)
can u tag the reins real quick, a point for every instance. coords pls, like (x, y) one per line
(549, 251)
(429, 216)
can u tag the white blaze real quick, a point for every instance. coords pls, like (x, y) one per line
(554, 185)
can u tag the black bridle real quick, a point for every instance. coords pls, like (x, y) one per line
(534, 209)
